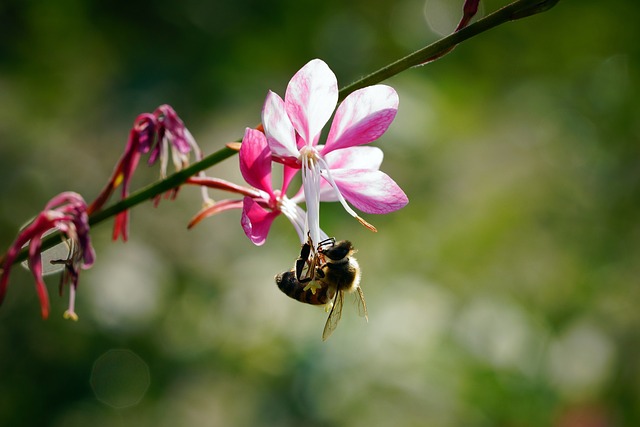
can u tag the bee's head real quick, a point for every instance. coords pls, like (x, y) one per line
(341, 250)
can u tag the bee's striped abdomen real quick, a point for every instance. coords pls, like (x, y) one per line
(288, 284)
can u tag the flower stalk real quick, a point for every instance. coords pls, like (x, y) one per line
(516, 10)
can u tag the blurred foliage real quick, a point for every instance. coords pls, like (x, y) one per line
(504, 294)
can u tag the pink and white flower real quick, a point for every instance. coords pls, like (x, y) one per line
(293, 126)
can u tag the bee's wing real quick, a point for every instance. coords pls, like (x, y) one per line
(334, 316)
(362, 305)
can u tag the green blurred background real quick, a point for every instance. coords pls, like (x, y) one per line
(505, 294)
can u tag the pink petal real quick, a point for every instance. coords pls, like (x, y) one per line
(255, 160)
(67, 197)
(88, 253)
(362, 117)
(310, 99)
(256, 221)
(349, 158)
(278, 128)
(35, 265)
(370, 191)
(12, 253)
(355, 158)
(288, 173)
(121, 226)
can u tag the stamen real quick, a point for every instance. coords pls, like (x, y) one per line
(70, 313)
(366, 224)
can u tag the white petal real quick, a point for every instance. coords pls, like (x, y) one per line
(278, 128)
(355, 158)
(310, 99)
(370, 191)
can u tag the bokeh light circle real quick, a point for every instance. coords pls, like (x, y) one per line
(120, 378)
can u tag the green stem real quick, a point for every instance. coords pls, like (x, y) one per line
(516, 10)
(155, 189)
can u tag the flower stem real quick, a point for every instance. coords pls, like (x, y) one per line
(516, 10)
(162, 186)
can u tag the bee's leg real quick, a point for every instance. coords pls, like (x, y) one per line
(326, 242)
(305, 251)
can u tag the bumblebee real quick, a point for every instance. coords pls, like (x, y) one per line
(334, 271)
